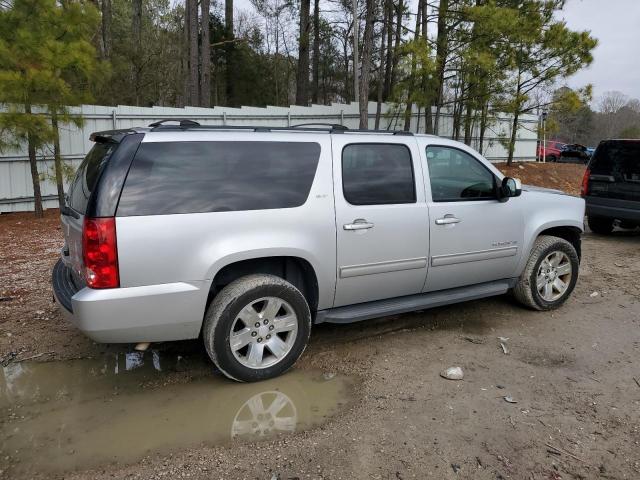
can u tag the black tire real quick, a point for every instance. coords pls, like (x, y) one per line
(525, 290)
(552, 158)
(223, 311)
(601, 225)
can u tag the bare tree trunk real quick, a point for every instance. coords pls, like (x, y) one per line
(483, 126)
(136, 28)
(389, 32)
(205, 64)
(316, 52)
(441, 59)
(456, 117)
(106, 42)
(363, 101)
(228, 51)
(514, 126)
(192, 6)
(33, 163)
(468, 124)
(381, 70)
(412, 77)
(512, 140)
(396, 47)
(428, 120)
(57, 160)
(184, 57)
(345, 54)
(302, 75)
(356, 56)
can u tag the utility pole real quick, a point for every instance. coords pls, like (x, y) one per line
(356, 79)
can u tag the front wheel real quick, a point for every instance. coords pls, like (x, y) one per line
(256, 328)
(550, 275)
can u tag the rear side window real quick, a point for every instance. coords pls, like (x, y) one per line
(193, 177)
(377, 174)
(87, 176)
(619, 159)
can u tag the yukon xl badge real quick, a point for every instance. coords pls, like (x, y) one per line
(504, 244)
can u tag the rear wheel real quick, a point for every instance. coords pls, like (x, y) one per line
(256, 328)
(552, 158)
(550, 275)
(601, 225)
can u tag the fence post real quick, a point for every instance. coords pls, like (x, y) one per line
(114, 119)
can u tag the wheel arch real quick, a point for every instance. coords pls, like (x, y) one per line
(570, 230)
(294, 269)
(568, 233)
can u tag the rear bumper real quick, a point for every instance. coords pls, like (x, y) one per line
(613, 208)
(150, 313)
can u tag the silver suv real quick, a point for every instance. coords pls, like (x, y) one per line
(247, 236)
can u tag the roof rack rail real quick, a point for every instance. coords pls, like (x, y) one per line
(307, 127)
(332, 126)
(183, 123)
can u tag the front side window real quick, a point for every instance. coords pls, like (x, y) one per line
(457, 176)
(195, 177)
(377, 174)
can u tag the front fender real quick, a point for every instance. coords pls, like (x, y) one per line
(548, 211)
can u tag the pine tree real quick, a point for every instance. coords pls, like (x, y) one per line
(541, 49)
(46, 58)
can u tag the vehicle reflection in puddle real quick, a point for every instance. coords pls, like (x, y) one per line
(79, 414)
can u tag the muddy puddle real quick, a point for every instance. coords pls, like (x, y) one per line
(78, 414)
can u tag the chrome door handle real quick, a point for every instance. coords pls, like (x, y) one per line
(447, 220)
(358, 224)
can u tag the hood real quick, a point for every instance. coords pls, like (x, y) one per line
(533, 188)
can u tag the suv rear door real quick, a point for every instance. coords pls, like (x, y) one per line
(381, 218)
(615, 170)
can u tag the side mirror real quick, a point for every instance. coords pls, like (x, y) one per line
(510, 187)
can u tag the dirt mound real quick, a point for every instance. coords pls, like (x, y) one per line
(562, 176)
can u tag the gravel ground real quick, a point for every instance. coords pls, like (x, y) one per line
(574, 374)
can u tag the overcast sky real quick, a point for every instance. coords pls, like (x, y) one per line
(616, 60)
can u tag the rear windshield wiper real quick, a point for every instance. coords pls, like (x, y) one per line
(69, 212)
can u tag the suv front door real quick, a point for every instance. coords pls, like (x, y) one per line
(381, 219)
(474, 238)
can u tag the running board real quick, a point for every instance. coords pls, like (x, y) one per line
(410, 303)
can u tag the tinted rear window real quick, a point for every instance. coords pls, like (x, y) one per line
(377, 174)
(87, 176)
(193, 177)
(620, 159)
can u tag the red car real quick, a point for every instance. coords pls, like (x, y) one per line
(553, 149)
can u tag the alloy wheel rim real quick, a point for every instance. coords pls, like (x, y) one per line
(554, 276)
(263, 332)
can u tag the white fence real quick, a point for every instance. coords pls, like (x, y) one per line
(16, 192)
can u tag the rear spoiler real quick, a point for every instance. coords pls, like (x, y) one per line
(111, 136)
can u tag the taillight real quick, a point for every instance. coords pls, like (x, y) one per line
(100, 253)
(584, 189)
